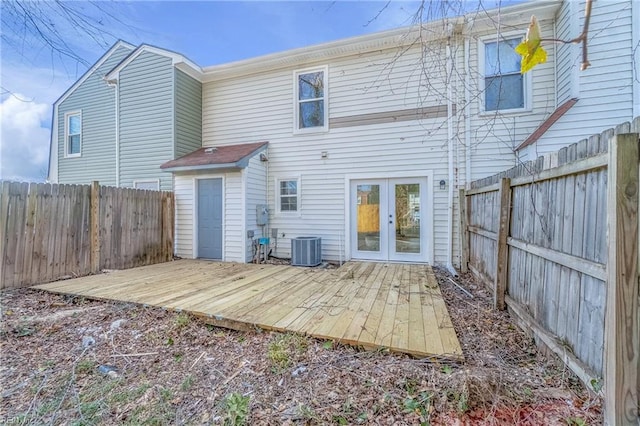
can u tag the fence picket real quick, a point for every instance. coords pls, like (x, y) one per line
(45, 230)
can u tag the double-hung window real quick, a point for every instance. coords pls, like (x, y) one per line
(288, 195)
(73, 134)
(504, 85)
(311, 100)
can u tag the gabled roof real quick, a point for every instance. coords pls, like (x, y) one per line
(178, 60)
(546, 124)
(99, 62)
(221, 157)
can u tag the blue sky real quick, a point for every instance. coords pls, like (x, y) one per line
(207, 32)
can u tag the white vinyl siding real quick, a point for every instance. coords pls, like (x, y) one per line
(605, 95)
(234, 249)
(256, 193)
(97, 102)
(249, 109)
(146, 119)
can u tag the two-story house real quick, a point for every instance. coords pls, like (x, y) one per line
(364, 142)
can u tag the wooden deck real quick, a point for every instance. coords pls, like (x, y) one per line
(374, 305)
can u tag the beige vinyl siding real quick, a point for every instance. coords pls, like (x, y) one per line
(234, 217)
(495, 135)
(255, 108)
(188, 114)
(605, 88)
(96, 101)
(256, 193)
(146, 119)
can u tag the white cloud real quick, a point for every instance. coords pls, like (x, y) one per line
(24, 140)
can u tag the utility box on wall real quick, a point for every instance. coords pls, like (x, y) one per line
(262, 214)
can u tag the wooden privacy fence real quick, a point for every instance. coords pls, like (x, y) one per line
(537, 235)
(49, 231)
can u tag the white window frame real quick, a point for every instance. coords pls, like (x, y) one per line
(277, 181)
(68, 115)
(154, 181)
(296, 102)
(526, 81)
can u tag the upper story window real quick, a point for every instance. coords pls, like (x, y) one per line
(288, 195)
(73, 134)
(311, 100)
(504, 86)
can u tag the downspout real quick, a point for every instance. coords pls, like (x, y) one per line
(635, 72)
(114, 83)
(467, 112)
(117, 86)
(449, 263)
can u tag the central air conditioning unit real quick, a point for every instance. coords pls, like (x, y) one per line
(306, 251)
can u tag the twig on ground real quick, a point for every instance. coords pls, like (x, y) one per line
(196, 361)
(461, 288)
(136, 354)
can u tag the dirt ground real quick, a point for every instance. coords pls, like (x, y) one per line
(74, 361)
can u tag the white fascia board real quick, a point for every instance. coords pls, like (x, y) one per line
(91, 70)
(177, 60)
(322, 52)
(519, 14)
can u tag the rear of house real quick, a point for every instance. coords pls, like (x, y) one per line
(362, 143)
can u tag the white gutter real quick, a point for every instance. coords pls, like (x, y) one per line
(467, 112)
(449, 263)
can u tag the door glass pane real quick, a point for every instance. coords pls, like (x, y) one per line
(368, 210)
(407, 218)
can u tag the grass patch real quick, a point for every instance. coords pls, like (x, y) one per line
(236, 407)
(286, 349)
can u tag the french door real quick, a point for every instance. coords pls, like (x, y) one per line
(388, 218)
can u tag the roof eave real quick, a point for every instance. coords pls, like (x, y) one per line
(177, 60)
(94, 67)
(214, 167)
(399, 37)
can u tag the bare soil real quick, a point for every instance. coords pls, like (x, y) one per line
(68, 360)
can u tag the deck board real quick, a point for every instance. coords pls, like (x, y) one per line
(373, 305)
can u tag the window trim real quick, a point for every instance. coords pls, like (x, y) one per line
(67, 115)
(526, 80)
(277, 181)
(296, 102)
(155, 181)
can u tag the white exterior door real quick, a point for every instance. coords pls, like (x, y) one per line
(388, 218)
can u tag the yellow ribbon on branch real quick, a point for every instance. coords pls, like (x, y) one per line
(530, 48)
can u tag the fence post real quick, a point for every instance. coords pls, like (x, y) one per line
(621, 316)
(502, 250)
(464, 231)
(95, 227)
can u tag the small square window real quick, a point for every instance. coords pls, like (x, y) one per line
(288, 195)
(504, 87)
(149, 185)
(310, 95)
(73, 134)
